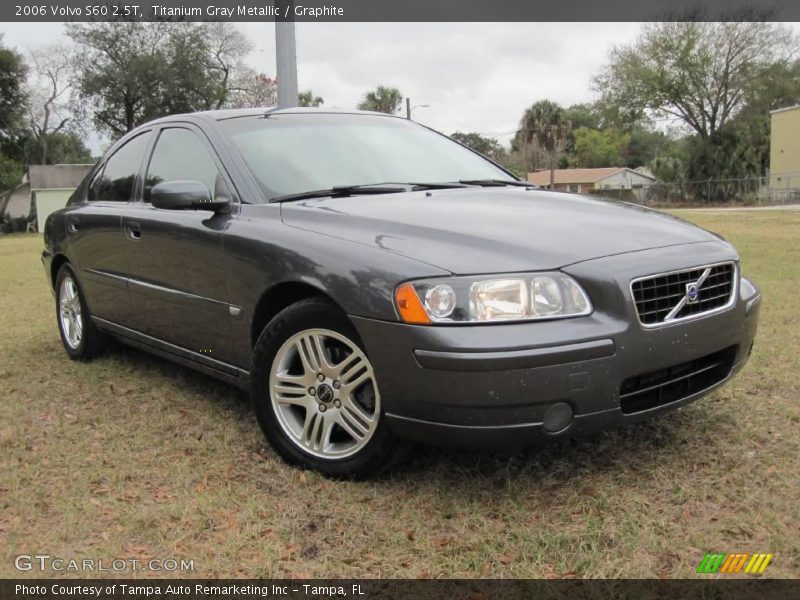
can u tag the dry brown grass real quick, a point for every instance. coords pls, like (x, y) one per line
(133, 457)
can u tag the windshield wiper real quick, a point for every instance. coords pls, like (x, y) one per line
(436, 186)
(496, 182)
(340, 190)
(394, 188)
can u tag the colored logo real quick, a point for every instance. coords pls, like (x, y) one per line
(692, 293)
(738, 562)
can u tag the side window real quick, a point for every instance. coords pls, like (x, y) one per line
(94, 186)
(180, 154)
(116, 182)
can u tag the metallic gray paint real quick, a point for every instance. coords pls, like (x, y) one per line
(492, 230)
(189, 287)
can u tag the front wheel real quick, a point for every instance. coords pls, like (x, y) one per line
(316, 394)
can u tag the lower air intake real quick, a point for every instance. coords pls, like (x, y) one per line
(672, 384)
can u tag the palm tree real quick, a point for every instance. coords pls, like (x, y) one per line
(545, 125)
(307, 98)
(382, 99)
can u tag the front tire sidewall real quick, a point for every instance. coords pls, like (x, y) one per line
(374, 456)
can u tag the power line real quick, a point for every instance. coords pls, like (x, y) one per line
(519, 129)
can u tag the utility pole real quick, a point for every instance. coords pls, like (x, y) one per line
(286, 54)
(525, 160)
(410, 109)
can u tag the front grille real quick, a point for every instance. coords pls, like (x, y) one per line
(665, 298)
(668, 385)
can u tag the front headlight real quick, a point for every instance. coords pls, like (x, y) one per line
(492, 299)
(498, 299)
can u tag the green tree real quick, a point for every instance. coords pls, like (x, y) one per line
(131, 72)
(485, 145)
(728, 154)
(307, 98)
(699, 73)
(13, 103)
(670, 168)
(777, 86)
(382, 99)
(122, 73)
(621, 117)
(595, 148)
(184, 80)
(13, 99)
(10, 173)
(584, 115)
(644, 146)
(579, 115)
(544, 126)
(63, 147)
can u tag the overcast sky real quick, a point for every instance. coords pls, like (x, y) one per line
(475, 76)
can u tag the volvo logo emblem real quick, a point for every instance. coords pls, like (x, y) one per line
(692, 293)
(325, 393)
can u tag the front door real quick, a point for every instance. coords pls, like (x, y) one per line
(177, 281)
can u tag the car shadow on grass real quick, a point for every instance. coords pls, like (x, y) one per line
(679, 440)
(624, 451)
(187, 380)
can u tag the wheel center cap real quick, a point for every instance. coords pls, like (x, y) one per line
(325, 393)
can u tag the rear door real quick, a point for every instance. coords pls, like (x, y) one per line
(94, 230)
(178, 286)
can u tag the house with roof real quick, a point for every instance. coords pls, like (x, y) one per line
(587, 181)
(43, 190)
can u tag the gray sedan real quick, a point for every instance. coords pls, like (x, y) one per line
(372, 282)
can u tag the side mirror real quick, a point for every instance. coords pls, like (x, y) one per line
(186, 195)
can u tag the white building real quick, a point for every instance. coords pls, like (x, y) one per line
(44, 189)
(586, 181)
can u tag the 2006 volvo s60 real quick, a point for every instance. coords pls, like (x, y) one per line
(371, 281)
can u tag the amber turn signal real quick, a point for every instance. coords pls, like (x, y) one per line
(409, 305)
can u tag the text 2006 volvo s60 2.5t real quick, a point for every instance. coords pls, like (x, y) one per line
(373, 282)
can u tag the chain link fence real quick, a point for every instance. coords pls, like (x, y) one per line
(774, 190)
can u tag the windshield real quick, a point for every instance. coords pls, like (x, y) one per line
(296, 153)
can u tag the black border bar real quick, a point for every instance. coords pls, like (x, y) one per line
(331, 11)
(374, 589)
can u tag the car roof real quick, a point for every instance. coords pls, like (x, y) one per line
(235, 113)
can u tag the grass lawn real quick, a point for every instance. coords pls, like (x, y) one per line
(133, 457)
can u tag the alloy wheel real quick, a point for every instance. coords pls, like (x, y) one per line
(70, 313)
(324, 393)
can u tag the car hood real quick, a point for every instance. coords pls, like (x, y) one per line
(492, 230)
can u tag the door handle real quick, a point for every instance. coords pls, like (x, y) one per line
(134, 230)
(72, 225)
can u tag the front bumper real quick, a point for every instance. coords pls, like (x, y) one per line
(512, 385)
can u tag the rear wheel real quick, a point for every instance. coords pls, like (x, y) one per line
(81, 339)
(316, 394)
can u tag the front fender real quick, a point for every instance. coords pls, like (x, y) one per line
(262, 252)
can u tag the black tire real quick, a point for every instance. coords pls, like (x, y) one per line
(378, 454)
(91, 341)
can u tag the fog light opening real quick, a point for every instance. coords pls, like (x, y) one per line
(558, 417)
